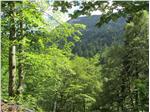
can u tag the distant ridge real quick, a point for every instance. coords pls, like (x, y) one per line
(95, 39)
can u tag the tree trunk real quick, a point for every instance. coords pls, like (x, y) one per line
(20, 59)
(137, 92)
(12, 52)
(84, 106)
(123, 89)
(55, 106)
(20, 72)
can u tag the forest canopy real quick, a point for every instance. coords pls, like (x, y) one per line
(52, 65)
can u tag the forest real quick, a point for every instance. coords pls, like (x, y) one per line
(58, 56)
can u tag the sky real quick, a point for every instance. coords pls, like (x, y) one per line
(65, 16)
(77, 7)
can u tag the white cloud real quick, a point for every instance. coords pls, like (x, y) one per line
(96, 12)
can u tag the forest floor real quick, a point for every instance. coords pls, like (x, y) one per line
(9, 107)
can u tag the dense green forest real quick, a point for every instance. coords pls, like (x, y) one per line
(95, 63)
(95, 39)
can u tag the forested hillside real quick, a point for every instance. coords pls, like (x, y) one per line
(95, 39)
(88, 64)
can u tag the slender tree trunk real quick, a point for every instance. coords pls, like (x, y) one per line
(137, 92)
(84, 107)
(12, 52)
(20, 72)
(55, 106)
(72, 110)
(122, 91)
(130, 93)
(20, 59)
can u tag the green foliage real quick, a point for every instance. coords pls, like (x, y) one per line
(69, 83)
(48, 62)
(109, 11)
(96, 39)
(58, 80)
(125, 70)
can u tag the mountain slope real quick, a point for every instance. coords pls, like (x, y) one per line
(94, 38)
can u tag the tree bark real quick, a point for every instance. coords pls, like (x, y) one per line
(20, 72)
(55, 106)
(12, 52)
(20, 59)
